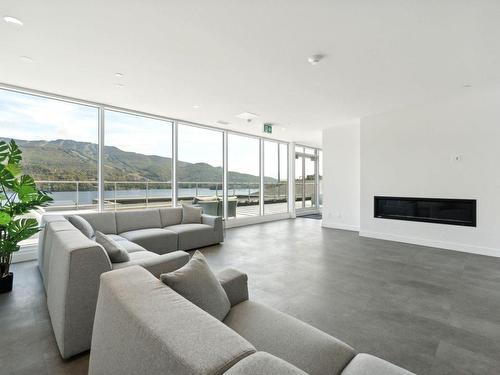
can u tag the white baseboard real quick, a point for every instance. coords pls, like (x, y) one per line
(327, 224)
(433, 243)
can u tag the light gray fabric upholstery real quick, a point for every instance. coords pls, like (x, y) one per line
(191, 214)
(366, 364)
(170, 216)
(262, 363)
(130, 246)
(157, 240)
(194, 236)
(127, 221)
(144, 327)
(197, 283)
(304, 346)
(82, 225)
(42, 235)
(235, 283)
(104, 222)
(76, 264)
(50, 227)
(71, 264)
(154, 263)
(116, 252)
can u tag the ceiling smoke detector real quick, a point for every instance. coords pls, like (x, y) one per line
(315, 59)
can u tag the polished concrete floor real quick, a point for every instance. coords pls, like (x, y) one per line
(432, 311)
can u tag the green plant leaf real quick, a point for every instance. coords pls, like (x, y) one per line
(7, 179)
(14, 169)
(5, 218)
(4, 151)
(22, 229)
(26, 189)
(15, 154)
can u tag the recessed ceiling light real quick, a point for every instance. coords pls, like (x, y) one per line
(467, 85)
(247, 116)
(26, 59)
(13, 20)
(222, 122)
(196, 106)
(315, 59)
(120, 85)
(119, 75)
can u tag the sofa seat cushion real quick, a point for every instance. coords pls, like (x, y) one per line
(304, 346)
(192, 236)
(366, 364)
(130, 246)
(135, 259)
(157, 240)
(262, 363)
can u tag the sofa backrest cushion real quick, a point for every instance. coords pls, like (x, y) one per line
(104, 222)
(82, 225)
(154, 330)
(170, 216)
(196, 282)
(137, 219)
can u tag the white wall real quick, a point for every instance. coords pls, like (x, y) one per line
(410, 153)
(341, 176)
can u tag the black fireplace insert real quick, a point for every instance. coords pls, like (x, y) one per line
(429, 210)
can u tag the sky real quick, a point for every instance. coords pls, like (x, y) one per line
(30, 117)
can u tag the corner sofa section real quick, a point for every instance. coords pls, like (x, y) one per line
(144, 327)
(71, 263)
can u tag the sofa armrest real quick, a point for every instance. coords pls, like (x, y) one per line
(235, 285)
(165, 263)
(214, 221)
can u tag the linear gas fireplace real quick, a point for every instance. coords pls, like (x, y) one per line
(429, 210)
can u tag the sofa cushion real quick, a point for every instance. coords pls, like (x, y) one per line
(116, 252)
(157, 240)
(135, 258)
(196, 282)
(191, 214)
(102, 221)
(192, 236)
(137, 219)
(154, 330)
(130, 246)
(262, 363)
(304, 346)
(82, 225)
(366, 364)
(170, 216)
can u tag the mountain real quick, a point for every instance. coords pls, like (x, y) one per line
(65, 159)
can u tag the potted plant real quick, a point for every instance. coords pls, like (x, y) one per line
(18, 195)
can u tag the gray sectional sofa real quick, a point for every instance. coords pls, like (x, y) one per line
(71, 263)
(144, 327)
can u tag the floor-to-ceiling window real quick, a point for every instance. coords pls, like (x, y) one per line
(320, 177)
(243, 176)
(59, 144)
(137, 161)
(275, 177)
(200, 168)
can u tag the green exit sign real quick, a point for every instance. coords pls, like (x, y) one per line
(268, 128)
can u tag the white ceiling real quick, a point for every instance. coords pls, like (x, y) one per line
(234, 56)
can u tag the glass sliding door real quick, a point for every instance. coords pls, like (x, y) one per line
(200, 168)
(59, 144)
(137, 161)
(306, 181)
(275, 177)
(243, 177)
